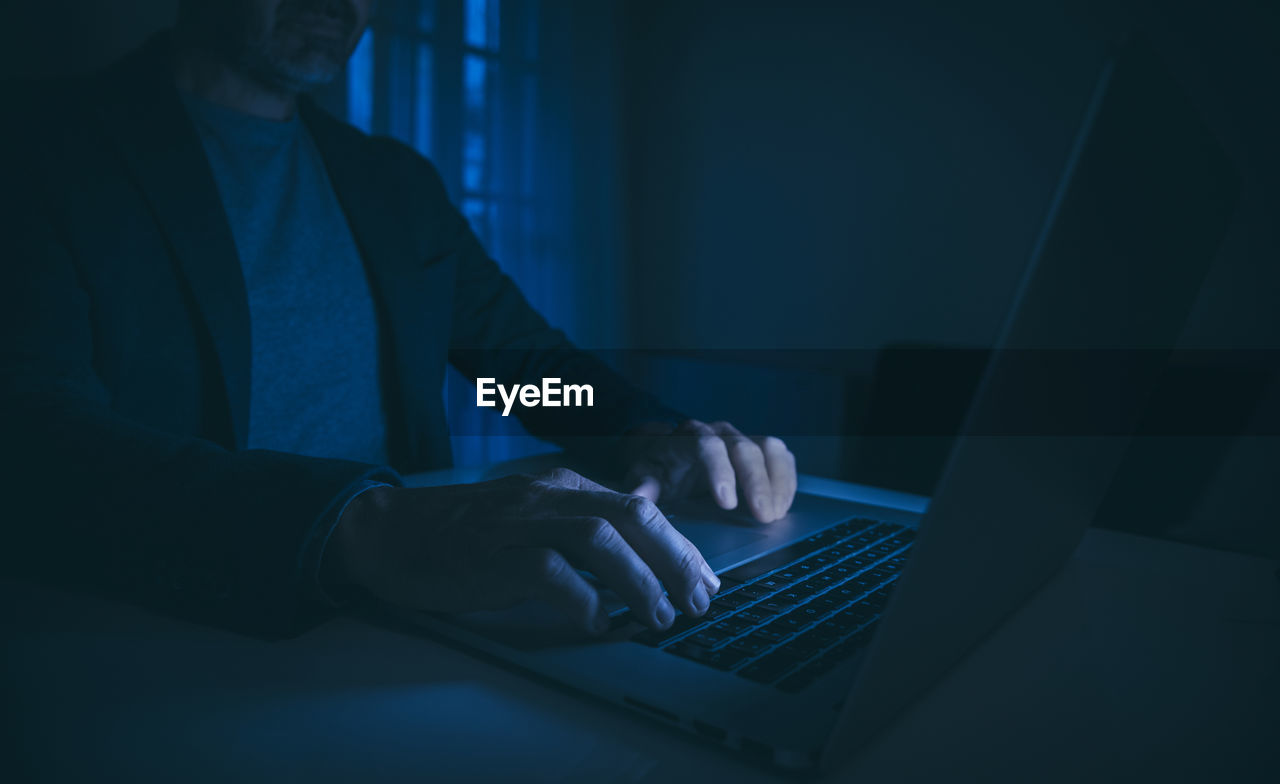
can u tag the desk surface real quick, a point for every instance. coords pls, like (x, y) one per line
(1143, 659)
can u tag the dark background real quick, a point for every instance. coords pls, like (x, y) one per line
(815, 174)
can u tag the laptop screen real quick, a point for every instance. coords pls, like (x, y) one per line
(1142, 205)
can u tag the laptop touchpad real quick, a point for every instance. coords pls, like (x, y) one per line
(712, 530)
(714, 539)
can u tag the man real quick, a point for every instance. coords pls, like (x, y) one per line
(229, 316)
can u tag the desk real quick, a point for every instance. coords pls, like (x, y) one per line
(1143, 660)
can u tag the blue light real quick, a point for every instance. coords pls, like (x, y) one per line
(360, 85)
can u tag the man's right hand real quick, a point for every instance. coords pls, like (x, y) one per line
(495, 544)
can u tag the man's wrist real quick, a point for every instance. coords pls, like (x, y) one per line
(334, 578)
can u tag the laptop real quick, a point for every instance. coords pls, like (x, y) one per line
(832, 620)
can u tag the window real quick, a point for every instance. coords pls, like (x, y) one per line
(459, 81)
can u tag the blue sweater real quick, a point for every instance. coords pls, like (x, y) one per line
(314, 375)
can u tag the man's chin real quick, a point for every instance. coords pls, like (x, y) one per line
(303, 72)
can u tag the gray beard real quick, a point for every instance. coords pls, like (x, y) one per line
(282, 72)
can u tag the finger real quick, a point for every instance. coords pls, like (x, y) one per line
(673, 558)
(749, 467)
(561, 479)
(543, 573)
(594, 544)
(651, 488)
(781, 465)
(713, 456)
(564, 478)
(648, 486)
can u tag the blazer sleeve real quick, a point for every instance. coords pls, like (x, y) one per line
(177, 523)
(497, 334)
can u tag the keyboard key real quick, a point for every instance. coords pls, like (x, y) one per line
(753, 591)
(858, 613)
(805, 589)
(723, 659)
(817, 667)
(715, 611)
(760, 673)
(767, 635)
(731, 602)
(769, 667)
(843, 529)
(798, 619)
(756, 614)
(825, 637)
(832, 627)
(830, 602)
(784, 626)
(809, 612)
(654, 637)
(707, 639)
(788, 624)
(748, 646)
(804, 646)
(848, 592)
(732, 626)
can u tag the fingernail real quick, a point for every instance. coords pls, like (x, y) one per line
(699, 599)
(709, 577)
(727, 499)
(666, 613)
(763, 508)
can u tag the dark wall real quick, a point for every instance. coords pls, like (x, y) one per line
(845, 174)
(824, 174)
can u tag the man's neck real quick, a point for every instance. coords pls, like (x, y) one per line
(201, 72)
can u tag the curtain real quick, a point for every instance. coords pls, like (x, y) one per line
(515, 103)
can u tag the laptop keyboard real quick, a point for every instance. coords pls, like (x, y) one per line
(792, 615)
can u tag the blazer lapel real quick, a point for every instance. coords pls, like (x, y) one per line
(144, 114)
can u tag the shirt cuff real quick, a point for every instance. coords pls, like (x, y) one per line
(318, 540)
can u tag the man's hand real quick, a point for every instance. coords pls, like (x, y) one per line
(672, 462)
(495, 544)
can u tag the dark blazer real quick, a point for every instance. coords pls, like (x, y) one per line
(124, 352)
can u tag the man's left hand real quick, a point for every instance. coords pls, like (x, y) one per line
(674, 462)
